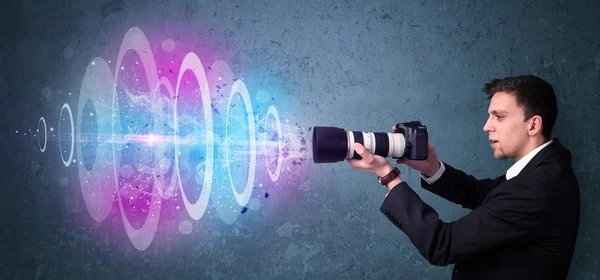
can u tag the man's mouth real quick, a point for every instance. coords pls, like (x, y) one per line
(492, 142)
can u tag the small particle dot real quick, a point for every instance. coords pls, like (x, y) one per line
(168, 45)
(186, 227)
(254, 204)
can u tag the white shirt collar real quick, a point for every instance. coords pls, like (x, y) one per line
(514, 170)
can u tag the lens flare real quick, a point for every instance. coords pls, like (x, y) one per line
(148, 145)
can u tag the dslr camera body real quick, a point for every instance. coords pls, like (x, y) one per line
(417, 140)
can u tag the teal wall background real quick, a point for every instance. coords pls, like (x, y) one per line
(351, 64)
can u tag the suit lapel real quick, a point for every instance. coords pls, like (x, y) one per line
(543, 155)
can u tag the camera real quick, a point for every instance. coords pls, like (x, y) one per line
(332, 144)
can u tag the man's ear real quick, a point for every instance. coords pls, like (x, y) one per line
(535, 125)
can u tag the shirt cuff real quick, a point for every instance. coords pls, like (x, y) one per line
(435, 176)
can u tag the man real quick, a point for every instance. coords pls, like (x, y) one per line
(523, 224)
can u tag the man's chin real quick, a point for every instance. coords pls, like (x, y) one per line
(499, 156)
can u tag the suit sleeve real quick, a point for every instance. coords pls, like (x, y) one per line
(458, 187)
(512, 214)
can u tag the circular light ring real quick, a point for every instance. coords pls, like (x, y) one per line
(166, 193)
(136, 40)
(222, 199)
(42, 120)
(97, 191)
(273, 111)
(66, 162)
(192, 62)
(240, 87)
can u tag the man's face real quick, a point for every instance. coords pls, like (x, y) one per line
(506, 126)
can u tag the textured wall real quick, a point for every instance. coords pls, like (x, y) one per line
(359, 66)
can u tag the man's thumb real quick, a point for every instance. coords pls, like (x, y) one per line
(359, 148)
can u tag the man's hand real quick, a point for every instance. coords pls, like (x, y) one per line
(371, 163)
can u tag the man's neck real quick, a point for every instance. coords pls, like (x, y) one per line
(531, 145)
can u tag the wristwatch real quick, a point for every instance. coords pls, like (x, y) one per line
(389, 177)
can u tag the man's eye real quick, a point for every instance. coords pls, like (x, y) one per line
(500, 117)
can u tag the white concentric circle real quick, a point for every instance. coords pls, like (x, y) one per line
(220, 80)
(192, 62)
(240, 87)
(66, 162)
(273, 111)
(42, 120)
(136, 40)
(96, 188)
(160, 150)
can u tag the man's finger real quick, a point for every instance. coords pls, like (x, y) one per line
(356, 164)
(360, 149)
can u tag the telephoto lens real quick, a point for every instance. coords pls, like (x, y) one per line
(332, 144)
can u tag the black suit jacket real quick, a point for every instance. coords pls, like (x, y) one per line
(523, 228)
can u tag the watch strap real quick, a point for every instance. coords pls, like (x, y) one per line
(389, 177)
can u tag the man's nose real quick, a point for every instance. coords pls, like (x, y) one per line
(487, 127)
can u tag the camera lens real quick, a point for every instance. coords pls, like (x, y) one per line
(332, 144)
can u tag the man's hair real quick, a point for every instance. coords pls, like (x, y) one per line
(533, 94)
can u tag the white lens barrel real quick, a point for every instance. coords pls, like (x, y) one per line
(369, 139)
(397, 144)
(350, 143)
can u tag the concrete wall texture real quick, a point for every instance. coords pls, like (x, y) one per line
(356, 65)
